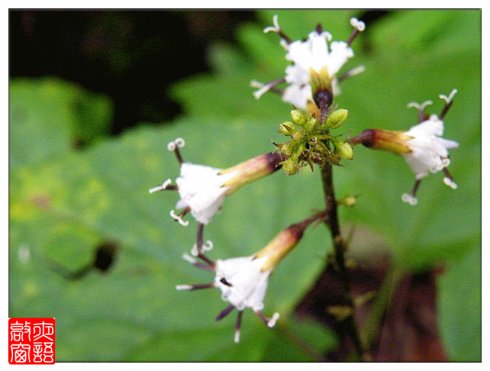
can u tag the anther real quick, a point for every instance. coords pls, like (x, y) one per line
(264, 88)
(178, 218)
(359, 26)
(195, 287)
(174, 147)
(238, 325)
(269, 322)
(166, 185)
(448, 99)
(448, 102)
(275, 28)
(448, 179)
(409, 199)
(420, 107)
(450, 183)
(353, 72)
(189, 258)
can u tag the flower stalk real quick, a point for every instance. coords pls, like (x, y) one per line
(340, 247)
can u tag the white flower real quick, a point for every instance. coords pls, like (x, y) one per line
(428, 150)
(313, 57)
(242, 281)
(201, 188)
(315, 64)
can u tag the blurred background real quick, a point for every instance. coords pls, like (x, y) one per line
(96, 95)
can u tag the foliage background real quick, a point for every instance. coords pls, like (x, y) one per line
(78, 180)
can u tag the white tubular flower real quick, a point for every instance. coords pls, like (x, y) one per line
(428, 150)
(315, 62)
(201, 188)
(422, 146)
(243, 281)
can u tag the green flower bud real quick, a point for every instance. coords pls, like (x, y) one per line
(299, 117)
(344, 149)
(285, 148)
(286, 128)
(348, 201)
(290, 166)
(336, 118)
(298, 135)
(311, 124)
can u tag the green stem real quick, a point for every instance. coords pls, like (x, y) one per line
(332, 222)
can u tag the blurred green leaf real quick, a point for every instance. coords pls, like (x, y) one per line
(86, 198)
(63, 204)
(49, 116)
(460, 308)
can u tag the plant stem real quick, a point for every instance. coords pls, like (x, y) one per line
(332, 222)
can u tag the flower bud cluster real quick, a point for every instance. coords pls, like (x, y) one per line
(311, 142)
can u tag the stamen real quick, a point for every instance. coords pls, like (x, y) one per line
(178, 218)
(171, 146)
(174, 147)
(264, 88)
(269, 322)
(353, 72)
(208, 246)
(420, 108)
(359, 26)
(225, 312)
(448, 100)
(195, 287)
(179, 142)
(238, 325)
(450, 183)
(273, 320)
(189, 259)
(165, 186)
(410, 198)
(448, 179)
(275, 28)
(208, 266)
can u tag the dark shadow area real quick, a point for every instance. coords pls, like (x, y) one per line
(132, 56)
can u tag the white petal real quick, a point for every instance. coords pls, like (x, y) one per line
(248, 282)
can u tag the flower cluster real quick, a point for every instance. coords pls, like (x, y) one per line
(312, 83)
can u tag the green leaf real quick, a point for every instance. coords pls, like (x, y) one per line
(460, 308)
(62, 209)
(49, 116)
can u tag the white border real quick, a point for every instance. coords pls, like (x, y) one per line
(251, 4)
